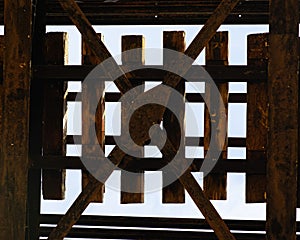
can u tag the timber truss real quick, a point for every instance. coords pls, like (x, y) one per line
(124, 85)
(273, 124)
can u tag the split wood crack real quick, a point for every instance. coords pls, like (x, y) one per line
(117, 155)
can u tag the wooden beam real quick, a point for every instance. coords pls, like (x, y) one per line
(134, 184)
(36, 118)
(231, 73)
(216, 53)
(157, 222)
(174, 193)
(14, 162)
(283, 120)
(152, 164)
(88, 121)
(257, 118)
(53, 181)
(167, 12)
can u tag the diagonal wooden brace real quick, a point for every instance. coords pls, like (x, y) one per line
(197, 45)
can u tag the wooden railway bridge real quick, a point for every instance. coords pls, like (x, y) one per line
(34, 98)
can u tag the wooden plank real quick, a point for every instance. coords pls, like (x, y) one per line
(154, 164)
(174, 193)
(257, 118)
(190, 141)
(283, 120)
(36, 121)
(190, 97)
(232, 73)
(1, 80)
(167, 12)
(88, 122)
(149, 234)
(14, 162)
(134, 184)
(53, 181)
(215, 185)
(157, 222)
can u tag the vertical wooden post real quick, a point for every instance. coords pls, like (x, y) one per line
(14, 163)
(1, 80)
(55, 54)
(88, 121)
(257, 118)
(35, 122)
(174, 193)
(283, 120)
(216, 54)
(134, 184)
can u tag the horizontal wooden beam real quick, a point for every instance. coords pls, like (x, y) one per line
(189, 141)
(153, 164)
(190, 97)
(105, 233)
(157, 222)
(167, 12)
(232, 73)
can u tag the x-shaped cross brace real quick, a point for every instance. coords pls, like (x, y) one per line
(124, 85)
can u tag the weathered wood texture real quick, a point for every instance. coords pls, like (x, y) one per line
(216, 54)
(116, 156)
(174, 193)
(283, 120)
(14, 162)
(1, 80)
(53, 181)
(257, 118)
(88, 121)
(134, 184)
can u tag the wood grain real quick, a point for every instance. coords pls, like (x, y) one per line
(174, 193)
(283, 120)
(53, 181)
(88, 121)
(133, 183)
(257, 118)
(14, 150)
(215, 185)
(116, 156)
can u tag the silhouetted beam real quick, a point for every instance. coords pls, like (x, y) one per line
(197, 45)
(156, 222)
(138, 234)
(232, 73)
(166, 12)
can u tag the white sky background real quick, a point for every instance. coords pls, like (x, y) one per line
(232, 208)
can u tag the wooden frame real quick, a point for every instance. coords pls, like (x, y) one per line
(197, 45)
